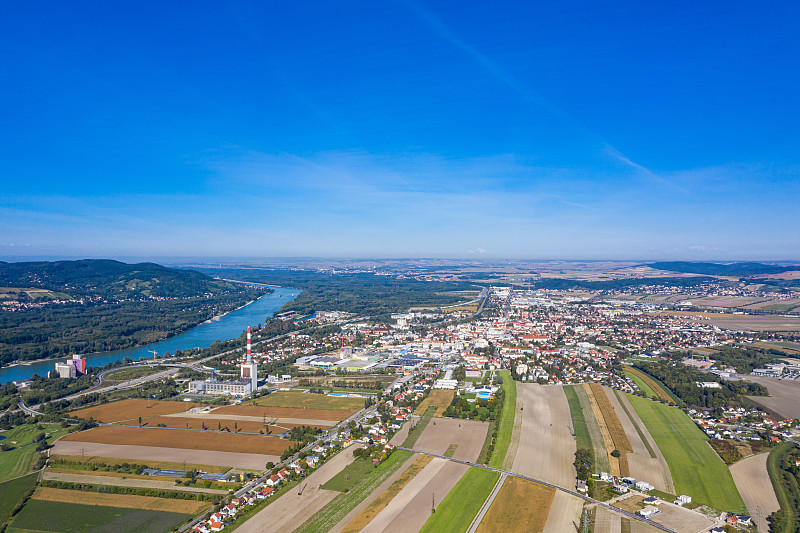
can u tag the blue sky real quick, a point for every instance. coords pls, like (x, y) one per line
(614, 130)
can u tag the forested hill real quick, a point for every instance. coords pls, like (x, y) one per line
(65, 307)
(111, 280)
(719, 269)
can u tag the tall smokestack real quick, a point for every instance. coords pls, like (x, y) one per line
(249, 356)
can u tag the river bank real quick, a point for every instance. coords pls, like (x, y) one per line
(229, 326)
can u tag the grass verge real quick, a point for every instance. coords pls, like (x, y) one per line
(696, 469)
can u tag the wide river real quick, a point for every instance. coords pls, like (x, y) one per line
(227, 327)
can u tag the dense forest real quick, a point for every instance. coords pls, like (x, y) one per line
(113, 306)
(718, 269)
(682, 381)
(362, 293)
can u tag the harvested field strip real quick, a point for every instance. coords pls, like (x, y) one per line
(438, 398)
(612, 421)
(656, 388)
(132, 409)
(608, 441)
(601, 462)
(587, 432)
(121, 500)
(636, 426)
(167, 465)
(335, 511)
(366, 516)
(190, 440)
(280, 412)
(305, 400)
(103, 473)
(696, 469)
(416, 431)
(519, 506)
(463, 502)
(506, 424)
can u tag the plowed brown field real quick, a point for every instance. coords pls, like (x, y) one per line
(190, 440)
(132, 409)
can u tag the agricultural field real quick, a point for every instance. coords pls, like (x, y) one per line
(410, 508)
(587, 432)
(505, 426)
(645, 462)
(189, 440)
(546, 448)
(132, 409)
(613, 434)
(125, 374)
(42, 515)
(320, 417)
(295, 507)
(520, 505)
(650, 386)
(438, 399)
(379, 504)
(783, 396)
(461, 504)
(19, 460)
(88, 462)
(304, 400)
(12, 493)
(752, 480)
(687, 453)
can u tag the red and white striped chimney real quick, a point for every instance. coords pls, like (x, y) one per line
(248, 344)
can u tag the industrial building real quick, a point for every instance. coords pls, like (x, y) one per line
(72, 368)
(247, 384)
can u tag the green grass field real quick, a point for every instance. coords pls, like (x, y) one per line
(696, 469)
(350, 475)
(506, 426)
(18, 461)
(12, 492)
(38, 515)
(582, 437)
(459, 507)
(335, 511)
(644, 387)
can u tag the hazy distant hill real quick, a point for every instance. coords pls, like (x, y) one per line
(111, 279)
(719, 269)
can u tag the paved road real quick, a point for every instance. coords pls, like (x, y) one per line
(573, 493)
